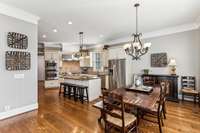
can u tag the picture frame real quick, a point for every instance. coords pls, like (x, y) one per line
(159, 60)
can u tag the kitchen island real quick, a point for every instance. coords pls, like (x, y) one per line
(92, 82)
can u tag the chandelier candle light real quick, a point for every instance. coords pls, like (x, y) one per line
(136, 49)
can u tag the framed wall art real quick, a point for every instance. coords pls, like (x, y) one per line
(159, 60)
(17, 40)
(16, 60)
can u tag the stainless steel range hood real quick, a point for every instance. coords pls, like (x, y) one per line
(66, 57)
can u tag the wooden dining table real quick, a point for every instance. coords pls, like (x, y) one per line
(140, 100)
(135, 99)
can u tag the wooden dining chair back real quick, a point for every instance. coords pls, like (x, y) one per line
(165, 88)
(157, 110)
(188, 85)
(113, 105)
(114, 113)
(188, 82)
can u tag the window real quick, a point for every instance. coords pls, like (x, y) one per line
(96, 60)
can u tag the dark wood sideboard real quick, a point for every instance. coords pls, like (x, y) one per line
(152, 79)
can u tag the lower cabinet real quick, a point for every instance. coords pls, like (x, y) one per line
(52, 84)
(152, 79)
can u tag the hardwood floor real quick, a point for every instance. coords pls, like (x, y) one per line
(59, 115)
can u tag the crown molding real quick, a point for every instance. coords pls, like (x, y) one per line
(162, 32)
(170, 30)
(18, 13)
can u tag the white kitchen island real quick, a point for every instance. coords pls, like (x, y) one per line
(92, 82)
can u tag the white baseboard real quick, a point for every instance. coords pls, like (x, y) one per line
(13, 112)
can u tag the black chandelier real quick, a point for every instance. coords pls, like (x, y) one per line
(82, 52)
(136, 49)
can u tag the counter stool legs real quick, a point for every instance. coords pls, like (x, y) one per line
(75, 91)
(60, 89)
(87, 98)
(82, 91)
(69, 91)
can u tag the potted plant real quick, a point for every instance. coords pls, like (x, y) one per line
(146, 71)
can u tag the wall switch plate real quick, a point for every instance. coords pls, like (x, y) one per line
(19, 76)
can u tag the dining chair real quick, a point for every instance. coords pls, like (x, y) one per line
(165, 88)
(188, 85)
(156, 111)
(115, 115)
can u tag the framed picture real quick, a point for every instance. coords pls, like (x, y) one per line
(159, 60)
(17, 40)
(16, 60)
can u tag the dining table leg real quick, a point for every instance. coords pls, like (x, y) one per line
(138, 115)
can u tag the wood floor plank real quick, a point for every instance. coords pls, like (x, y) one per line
(61, 115)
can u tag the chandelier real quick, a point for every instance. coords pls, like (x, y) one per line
(82, 52)
(136, 49)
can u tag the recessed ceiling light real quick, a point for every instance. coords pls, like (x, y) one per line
(44, 36)
(69, 22)
(55, 30)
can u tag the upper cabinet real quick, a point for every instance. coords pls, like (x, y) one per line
(116, 53)
(52, 56)
(97, 60)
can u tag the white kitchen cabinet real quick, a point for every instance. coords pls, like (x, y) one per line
(52, 83)
(52, 56)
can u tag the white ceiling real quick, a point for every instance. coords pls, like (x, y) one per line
(113, 19)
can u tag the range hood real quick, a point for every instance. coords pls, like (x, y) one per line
(66, 57)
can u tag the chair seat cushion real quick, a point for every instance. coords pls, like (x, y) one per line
(190, 91)
(128, 119)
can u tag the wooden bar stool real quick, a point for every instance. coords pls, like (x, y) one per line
(83, 93)
(72, 91)
(64, 86)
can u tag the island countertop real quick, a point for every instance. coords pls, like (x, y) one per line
(81, 77)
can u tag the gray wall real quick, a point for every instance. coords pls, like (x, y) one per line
(17, 93)
(184, 47)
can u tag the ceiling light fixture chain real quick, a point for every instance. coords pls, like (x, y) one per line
(136, 49)
(81, 40)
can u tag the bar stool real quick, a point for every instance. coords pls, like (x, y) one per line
(64, 86)
(83, 93)
(67, 91)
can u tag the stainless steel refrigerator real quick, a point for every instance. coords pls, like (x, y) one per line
(117, 73)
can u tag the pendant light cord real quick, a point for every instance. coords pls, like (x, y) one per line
(136, 5)
(81, 39)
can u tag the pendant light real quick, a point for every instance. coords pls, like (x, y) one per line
(136, 49)
(82, 52)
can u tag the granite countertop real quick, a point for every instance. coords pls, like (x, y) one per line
(80, 77)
